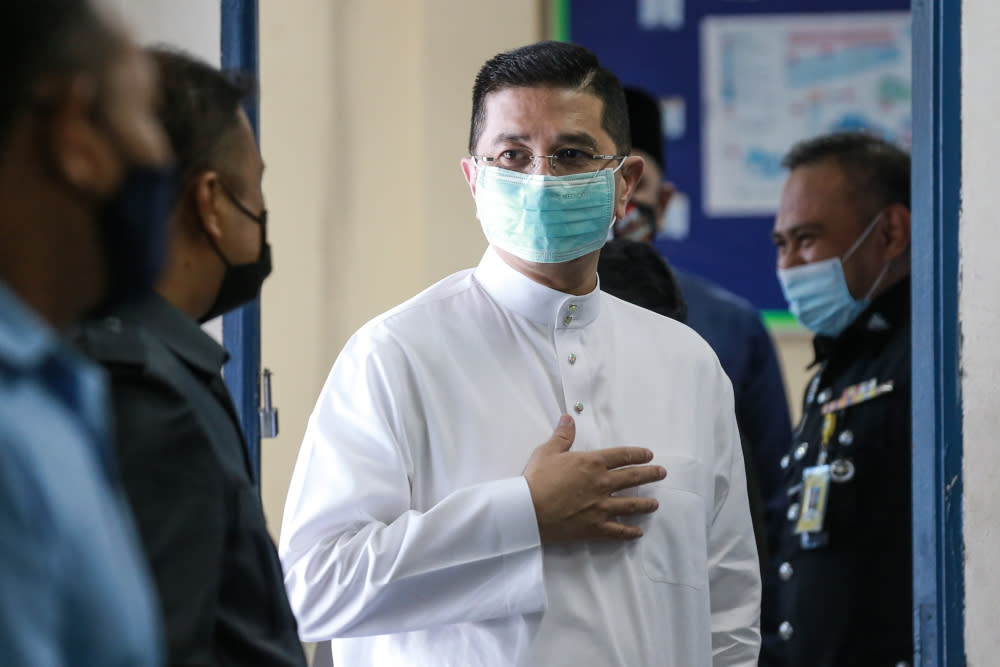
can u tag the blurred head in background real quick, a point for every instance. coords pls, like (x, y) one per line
(84, 163)
(219, 256)
(842, 231)
(646, 209)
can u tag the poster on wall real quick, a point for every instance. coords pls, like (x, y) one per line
(769, 81)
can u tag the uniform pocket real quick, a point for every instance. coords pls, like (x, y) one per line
(674, 545)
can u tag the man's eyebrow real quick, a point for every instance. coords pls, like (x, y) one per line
(503, 137)
(796, 229)
(577, 138)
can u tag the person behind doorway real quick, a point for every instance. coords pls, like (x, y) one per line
(85, 182)
(843, 241)
(635, 272)
(425, 526)
(733, 327)
(183, 456)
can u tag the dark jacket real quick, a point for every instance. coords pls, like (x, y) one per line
(187, 476)
(846, 593)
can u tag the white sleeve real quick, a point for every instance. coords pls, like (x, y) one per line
(358, 559)
(733, 569)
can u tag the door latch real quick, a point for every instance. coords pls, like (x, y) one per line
(268, 413)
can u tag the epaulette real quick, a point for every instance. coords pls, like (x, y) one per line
(112, 341)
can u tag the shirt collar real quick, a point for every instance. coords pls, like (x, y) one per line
(536, 302)
(179, 332)
(29, 346)
(25, 340)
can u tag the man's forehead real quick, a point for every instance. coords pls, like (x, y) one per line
(537, 107)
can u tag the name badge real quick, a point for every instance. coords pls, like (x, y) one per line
(815, 488)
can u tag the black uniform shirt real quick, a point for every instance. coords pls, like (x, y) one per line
(187, 476)
(848, 601)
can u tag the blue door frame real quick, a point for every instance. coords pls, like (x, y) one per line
(241, 328)
(938, 575)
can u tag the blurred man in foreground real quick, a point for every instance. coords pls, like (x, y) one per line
(85, 184)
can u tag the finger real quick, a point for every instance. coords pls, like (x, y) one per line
(562, 438)
(629, 505)
(616, 457)
(626, 478)
(612, 530)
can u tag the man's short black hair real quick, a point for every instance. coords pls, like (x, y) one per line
(47, 38)
(552, 65)
(635, 271)
(646, 125)
(877, 171)
(199, 110)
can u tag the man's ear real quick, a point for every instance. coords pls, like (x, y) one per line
(895, 232)
(471, 171)
(206, 190)
(80, 149)
(630, 173)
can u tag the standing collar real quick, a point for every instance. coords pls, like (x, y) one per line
(179, 332)
(534, 301)
(887, 313)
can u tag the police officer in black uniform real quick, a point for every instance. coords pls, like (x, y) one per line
(181, 451)
(845, 567)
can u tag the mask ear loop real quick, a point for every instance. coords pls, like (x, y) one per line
(861, 239)
(857, 244)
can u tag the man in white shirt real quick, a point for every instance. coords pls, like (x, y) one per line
(423, 524)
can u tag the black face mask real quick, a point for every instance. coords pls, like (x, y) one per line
(134, 226)
(133, 223)
(242, 282)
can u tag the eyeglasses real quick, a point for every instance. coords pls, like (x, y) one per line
(563, 162)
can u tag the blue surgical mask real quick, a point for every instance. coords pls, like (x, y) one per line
(545, 219)
(817, 293)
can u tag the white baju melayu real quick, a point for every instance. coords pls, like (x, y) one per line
(409, 534)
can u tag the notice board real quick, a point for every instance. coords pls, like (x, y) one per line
(739, 81)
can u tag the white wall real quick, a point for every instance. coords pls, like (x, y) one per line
(979, 314)
(193, 25)
(364, 116)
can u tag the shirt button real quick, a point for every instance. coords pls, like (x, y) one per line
(846, 438)
(801, 451)
(569, 318)
(824, 396)
(793, 512)
(578, 407)
(785, 460)
(572, 359)
(572, 306)
(786, 630)
(785, 571)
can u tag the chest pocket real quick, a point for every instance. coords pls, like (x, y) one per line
(674, 545)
